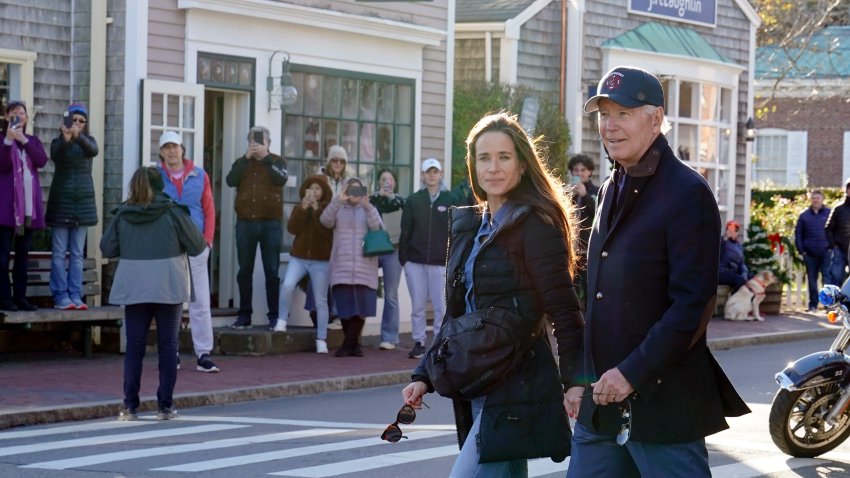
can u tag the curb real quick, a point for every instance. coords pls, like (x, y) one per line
(93, 410)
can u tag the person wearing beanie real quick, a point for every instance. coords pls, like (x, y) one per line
(838, 236)
(71, 208)
(152, 235)
(189, 185)
(21, 209)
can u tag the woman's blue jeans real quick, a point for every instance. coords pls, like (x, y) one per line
(137, 322)
(66, 281)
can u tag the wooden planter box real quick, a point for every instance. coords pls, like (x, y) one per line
(772, 300)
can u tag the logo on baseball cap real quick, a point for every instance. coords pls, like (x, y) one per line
(170, 137)
(431, 163)
(627, 86)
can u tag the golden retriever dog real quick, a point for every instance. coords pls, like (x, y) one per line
(744, 303)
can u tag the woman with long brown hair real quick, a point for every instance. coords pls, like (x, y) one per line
(513, 250)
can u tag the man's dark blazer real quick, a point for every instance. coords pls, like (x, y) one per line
(652, 281)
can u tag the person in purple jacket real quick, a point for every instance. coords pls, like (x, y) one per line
(812, 244)
(21, 208)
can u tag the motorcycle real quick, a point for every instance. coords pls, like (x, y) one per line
(810, 414)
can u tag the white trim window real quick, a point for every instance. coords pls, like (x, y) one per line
(780, 157)
(16, 79)
(702, 136)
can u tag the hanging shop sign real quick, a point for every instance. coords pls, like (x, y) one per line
(700, 12)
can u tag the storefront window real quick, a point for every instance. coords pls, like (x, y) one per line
(702, 130)
(771, 159)
(370, 117)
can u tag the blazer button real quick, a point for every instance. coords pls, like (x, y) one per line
(604, 254)
(599, 296)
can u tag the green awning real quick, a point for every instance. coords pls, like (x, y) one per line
(665, 39)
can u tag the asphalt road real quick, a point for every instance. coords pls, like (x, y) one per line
(336, 434)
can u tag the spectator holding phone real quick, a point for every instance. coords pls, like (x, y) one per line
(71, 206)
(390, 205)
(353, 278)
(422, 250)
(259, 177)
(310, 254)
(21, 209)
(584, 197)
(335, 168)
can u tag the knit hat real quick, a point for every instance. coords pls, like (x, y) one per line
(78, 109)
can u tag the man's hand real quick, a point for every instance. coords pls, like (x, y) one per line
(580, 190)
(572, 401)
(611, 387)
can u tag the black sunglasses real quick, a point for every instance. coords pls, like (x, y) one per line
(405, 416)
(626, 428)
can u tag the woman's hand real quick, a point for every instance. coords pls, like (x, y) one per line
(572, 401)
(413, 393)
(66, 133)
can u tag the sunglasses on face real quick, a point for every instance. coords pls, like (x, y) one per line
(337, 160)
(405, 416)
(79, 120)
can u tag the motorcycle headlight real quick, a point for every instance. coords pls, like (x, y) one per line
(829, 295)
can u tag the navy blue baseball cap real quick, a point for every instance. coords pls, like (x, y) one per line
(627, 86)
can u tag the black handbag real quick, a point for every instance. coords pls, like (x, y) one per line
(377, 243)
(474, 353)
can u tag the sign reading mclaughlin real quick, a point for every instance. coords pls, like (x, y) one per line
(701, 12)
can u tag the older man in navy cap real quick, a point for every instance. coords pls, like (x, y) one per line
(654, 391)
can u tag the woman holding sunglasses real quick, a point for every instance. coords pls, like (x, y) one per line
(71, 206)
(513, 250)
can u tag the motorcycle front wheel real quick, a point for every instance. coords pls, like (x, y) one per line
(798, 421)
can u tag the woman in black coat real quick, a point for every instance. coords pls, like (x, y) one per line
(513, 250)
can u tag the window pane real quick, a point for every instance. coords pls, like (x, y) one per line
(313, 95)
(189, 112)
(687, 96)
(708, 144)
(771, 154)
(311, 138)
(367, 142)
(722, 192)
(157, 105)
(298, 83)
(687, 142)
(366, 172)
(667, 87)
(330, 133)
(386, 102)
(331, 97)
(385, 143)
(708, 103)
(367, 101)
(349, 98)
(404, 145)
(172, 111)
(405, 104)
(291, 137)
(188, 144)
(725, 104)
(404, 181)
(349, 139)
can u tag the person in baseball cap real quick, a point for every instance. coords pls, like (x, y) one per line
(170, 137)
(652, 264)
(431, 163)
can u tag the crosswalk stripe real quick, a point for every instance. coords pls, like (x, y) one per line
(761, 467)
(294, 452)
(545, 466)
(106, 439)
(190, 447)
(370, 463)
(87, 427)
(304, 423)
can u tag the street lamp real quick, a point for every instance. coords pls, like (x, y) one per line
(282, 92)
(751, 131)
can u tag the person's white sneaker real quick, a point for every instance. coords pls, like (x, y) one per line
(321, 346)
(280, 326)
(386, 346)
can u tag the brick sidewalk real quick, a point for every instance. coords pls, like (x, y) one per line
(47, 388)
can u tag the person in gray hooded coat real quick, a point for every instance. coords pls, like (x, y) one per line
(152, 235)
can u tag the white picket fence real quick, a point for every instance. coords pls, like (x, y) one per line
(796, 294)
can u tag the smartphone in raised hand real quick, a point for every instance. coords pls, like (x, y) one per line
(259, 138)
(67, 120)
(15, 121)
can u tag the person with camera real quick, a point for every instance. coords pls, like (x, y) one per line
(389, 204)
(259, 177)
(422, 250)
(71, 206)
(584, 197)
(513, 251)
(310, 254)
(353, 277)
(21, 208)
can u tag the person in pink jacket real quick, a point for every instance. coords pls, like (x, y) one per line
(353, 277)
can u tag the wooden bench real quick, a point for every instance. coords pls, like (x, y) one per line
(722, 297)
(38, 287)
